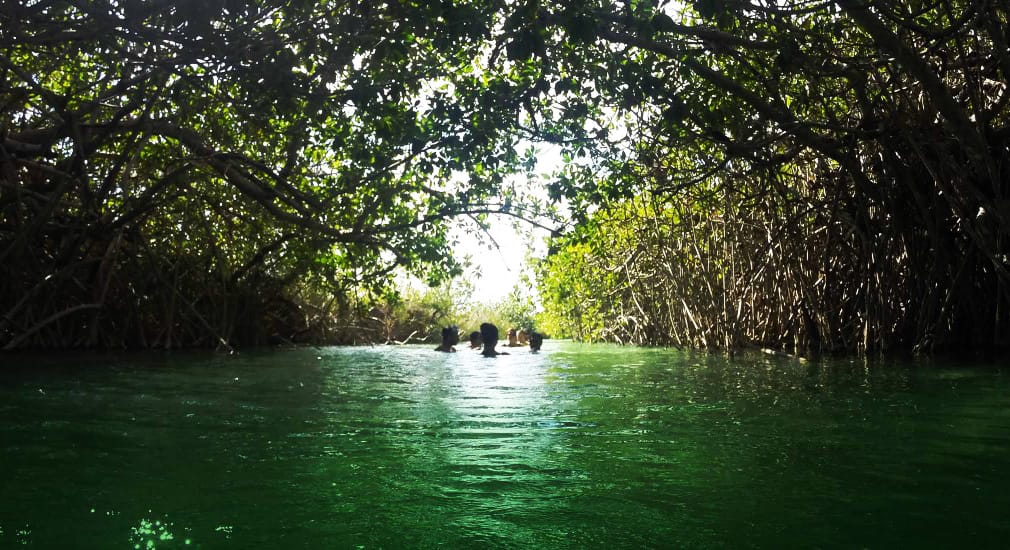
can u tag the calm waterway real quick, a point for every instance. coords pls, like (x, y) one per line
(575, 447)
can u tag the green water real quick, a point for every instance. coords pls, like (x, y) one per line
(575, 447)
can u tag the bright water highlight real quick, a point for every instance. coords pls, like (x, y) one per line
(575, 447)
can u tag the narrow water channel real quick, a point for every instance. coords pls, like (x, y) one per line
(575, 447)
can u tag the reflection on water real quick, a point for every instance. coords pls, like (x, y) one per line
(574, 447)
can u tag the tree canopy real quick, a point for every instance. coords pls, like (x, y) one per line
(169, 168)
(827, 175)
(204, 147)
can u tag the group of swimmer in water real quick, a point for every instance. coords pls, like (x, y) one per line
(487, 338)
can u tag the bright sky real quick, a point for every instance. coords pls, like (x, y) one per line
(497, 270)
(494, 270)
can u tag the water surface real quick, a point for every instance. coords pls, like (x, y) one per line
(575, 447)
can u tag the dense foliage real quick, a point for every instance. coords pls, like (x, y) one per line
(819, 176)
(192, 173)
(412, 315)
(796, 174)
